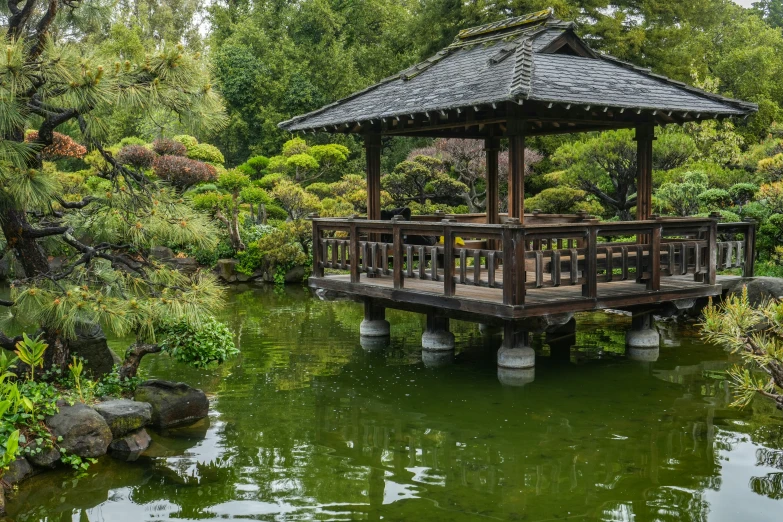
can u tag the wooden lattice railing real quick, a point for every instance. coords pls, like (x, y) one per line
(517, 258)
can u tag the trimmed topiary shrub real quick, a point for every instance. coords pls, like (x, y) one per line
(136, 156)
(188, 141)
(131, 140)
(206, 152)
(62, 146)
(182, 172)
(169, 147)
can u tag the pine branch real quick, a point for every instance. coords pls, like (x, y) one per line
(9, 343)
(76, 204)
(42, 29)
(135, 353)
(36, 233)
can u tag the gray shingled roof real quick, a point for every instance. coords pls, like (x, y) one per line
(509, 61)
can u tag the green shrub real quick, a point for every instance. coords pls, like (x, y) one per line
(210, 256)
(715, 198)
(187, 141)
(131, 140)
(270, 181)
(198, 345)
(206, 152)
(276, 212)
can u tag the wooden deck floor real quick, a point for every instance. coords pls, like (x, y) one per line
(538, 301)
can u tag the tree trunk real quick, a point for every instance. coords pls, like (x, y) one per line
(30, 255)
(130, 366)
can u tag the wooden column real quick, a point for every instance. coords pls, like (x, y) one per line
(372, 147)
(516, 169)
(645, 135)
(491, 147)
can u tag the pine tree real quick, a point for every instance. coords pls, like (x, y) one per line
(48, 84)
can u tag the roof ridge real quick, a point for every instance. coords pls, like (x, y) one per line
(507, 23)
(523, 69)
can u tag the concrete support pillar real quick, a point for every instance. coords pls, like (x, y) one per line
(437, 337)
(516, 359)
(642, 340)
(374, 323)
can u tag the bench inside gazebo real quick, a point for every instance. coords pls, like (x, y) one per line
(521, 77)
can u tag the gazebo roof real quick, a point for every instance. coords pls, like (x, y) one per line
(534, 66)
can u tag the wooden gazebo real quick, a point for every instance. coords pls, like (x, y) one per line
(524, 76)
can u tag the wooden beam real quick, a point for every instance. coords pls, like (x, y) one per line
(372, 147)
(516, 164)
(491, 148)
(645, 135)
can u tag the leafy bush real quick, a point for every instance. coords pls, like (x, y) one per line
(199, 345)
(204, 187)
(771, 168)
(276, 212)
(182, 172)
(206, 152)
(131, 140)
(295, 200)
(294, 146)
(187, 141)
(62, 146)
(169, 147)
(210, 256)
(715, 198)
(275, 250)
(742, 193)
(136, 156)
(270, 181)
(255, 167)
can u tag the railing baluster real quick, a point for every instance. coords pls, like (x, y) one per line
(477, 267)
(683, 258)
(539, 268)
(463, 262)
(639, 263)
(574, 266)
(670, 264)
(624, 251)
(609, 263)
(556, 266)
(409, 260)
(712, 251)
(448, 262)
(397, 246)
(491, 268)
(422, 263)
(365, 256)
(434, 264)
(335, 252)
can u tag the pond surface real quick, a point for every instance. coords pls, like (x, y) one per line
(306, 425)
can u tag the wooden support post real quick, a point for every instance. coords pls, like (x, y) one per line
(655, 258)
(448, 259)
(353, 250)
(645, 135)
(516, 166)
(712, 253)
(590, 285)
(318, 268)
(397, 251)
(491, 147)
(750, 249)
(372, 147)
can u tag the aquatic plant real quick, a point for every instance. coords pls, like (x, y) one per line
(756, 333)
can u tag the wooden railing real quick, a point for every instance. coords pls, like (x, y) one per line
(737, 246)
(519, 258)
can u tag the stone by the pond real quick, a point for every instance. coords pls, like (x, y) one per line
(130, 446)
(90, 344)
(84, 432)
(226, 269)
(173, 403)
(124, 416)
(186, 265)
(17, 471)
(46, 458)
(161, 252)
(760, 289)
(295, 275)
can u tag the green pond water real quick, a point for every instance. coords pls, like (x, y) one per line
(307, 425)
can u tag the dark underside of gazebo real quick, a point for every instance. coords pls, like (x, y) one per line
(525, 76)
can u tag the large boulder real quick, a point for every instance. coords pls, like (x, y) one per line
(90, 344)
(47, 457)
(173, 403)
(161, 252)
(83, 430)
(760, 289)
(17, 471)
(124, 416)
(129, 447)
(226, 270)
(186, 265)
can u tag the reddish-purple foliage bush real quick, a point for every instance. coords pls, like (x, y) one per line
(182, 172)
(136, 156)
(62, 146)
(169, 147)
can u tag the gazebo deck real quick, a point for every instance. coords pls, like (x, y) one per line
(569, 267)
